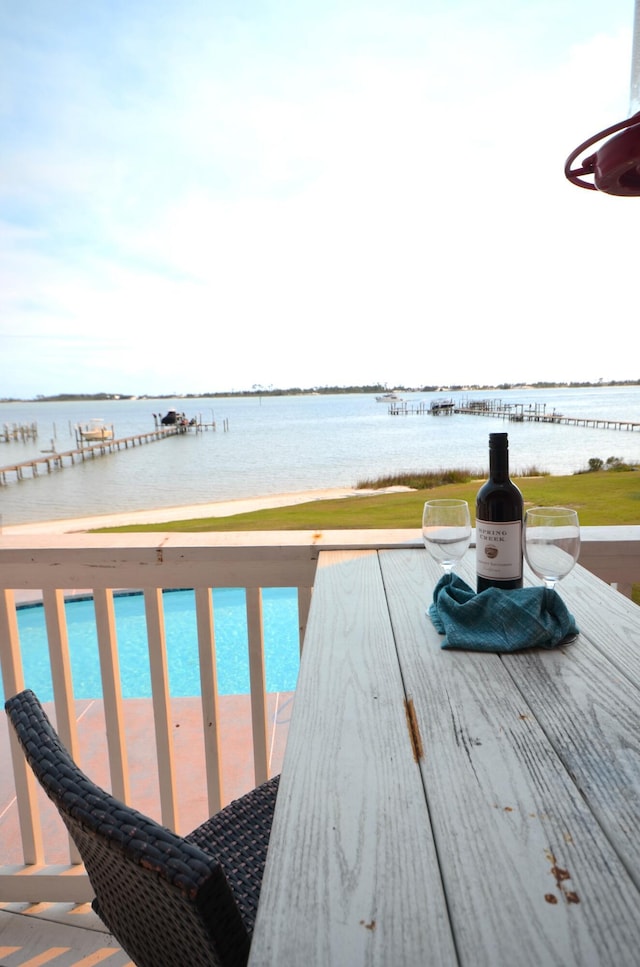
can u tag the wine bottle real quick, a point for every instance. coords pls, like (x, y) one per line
(499, 523)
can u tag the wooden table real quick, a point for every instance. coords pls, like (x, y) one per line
(441, 807)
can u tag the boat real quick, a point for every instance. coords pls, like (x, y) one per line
(389, 398)
(95, 431)
(442, 406)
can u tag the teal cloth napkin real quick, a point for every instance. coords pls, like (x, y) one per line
(497, 620)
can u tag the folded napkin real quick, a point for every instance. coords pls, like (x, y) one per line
(497, 620)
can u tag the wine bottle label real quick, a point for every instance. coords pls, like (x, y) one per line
(499, 550)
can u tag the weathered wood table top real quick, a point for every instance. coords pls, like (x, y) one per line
(444, 807)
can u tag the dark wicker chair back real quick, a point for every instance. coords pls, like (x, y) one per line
(168, 900)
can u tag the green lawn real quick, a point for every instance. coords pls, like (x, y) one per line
(606, 497)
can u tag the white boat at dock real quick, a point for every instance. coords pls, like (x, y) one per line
(95, 431)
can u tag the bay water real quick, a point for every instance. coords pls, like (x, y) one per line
(284, 444)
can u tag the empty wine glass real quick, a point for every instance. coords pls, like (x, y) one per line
(551, 542)
(446, 530)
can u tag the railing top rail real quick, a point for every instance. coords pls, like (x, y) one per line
(257, 559)
(157, 560)
(246, 540)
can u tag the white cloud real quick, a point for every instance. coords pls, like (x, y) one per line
(200, 200)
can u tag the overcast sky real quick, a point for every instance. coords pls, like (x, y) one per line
(210, 194)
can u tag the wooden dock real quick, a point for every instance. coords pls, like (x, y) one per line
(511, 412)
(54, 460)
(519, 413)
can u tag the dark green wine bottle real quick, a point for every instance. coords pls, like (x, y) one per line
(499, 508)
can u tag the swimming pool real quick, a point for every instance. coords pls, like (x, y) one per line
(280, 620)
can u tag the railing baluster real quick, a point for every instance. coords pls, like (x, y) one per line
(11, 658)
(161, 705)
(26, 786)
(56, 623)
(257, 675)
(209, 690)
(112, 692)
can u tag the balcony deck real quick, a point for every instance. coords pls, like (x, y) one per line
(57, 934)
(64, 933)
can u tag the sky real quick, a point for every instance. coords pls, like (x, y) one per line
(209, 195)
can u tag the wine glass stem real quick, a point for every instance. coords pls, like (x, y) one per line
(549, 583)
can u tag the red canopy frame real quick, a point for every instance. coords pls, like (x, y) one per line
(615, 166)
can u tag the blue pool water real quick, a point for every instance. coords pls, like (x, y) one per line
(280, 619)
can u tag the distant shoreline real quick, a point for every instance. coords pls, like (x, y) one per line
(318, 391)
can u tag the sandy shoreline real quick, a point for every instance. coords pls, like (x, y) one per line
(226, 508)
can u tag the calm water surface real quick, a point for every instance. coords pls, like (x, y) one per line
(284, 444)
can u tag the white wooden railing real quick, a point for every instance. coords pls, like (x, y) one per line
(52, 566)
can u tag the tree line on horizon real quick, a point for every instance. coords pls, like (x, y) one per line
(372, 388)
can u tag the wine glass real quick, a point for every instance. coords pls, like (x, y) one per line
(551, 542)
(446, 530)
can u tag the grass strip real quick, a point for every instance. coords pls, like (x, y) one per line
(603, 498)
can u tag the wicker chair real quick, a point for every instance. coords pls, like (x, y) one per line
(168, 900)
